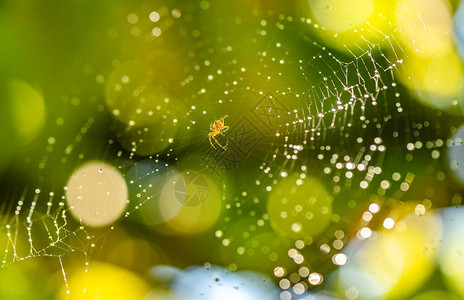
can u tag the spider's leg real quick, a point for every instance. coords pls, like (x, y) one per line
(210, 135)
(219, 144)
(224, 129)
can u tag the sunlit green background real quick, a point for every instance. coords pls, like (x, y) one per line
(340, 175)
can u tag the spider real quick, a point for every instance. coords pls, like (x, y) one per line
(217, 127)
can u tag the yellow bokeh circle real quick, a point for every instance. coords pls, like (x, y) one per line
(425, 27)
(23, 110)
(299, 208)
(96, 193)
(342, 15)
(105, 281)
(190, 202)
(436, 81)
(350, 26)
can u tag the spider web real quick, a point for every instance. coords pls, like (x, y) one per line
(293, 105)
